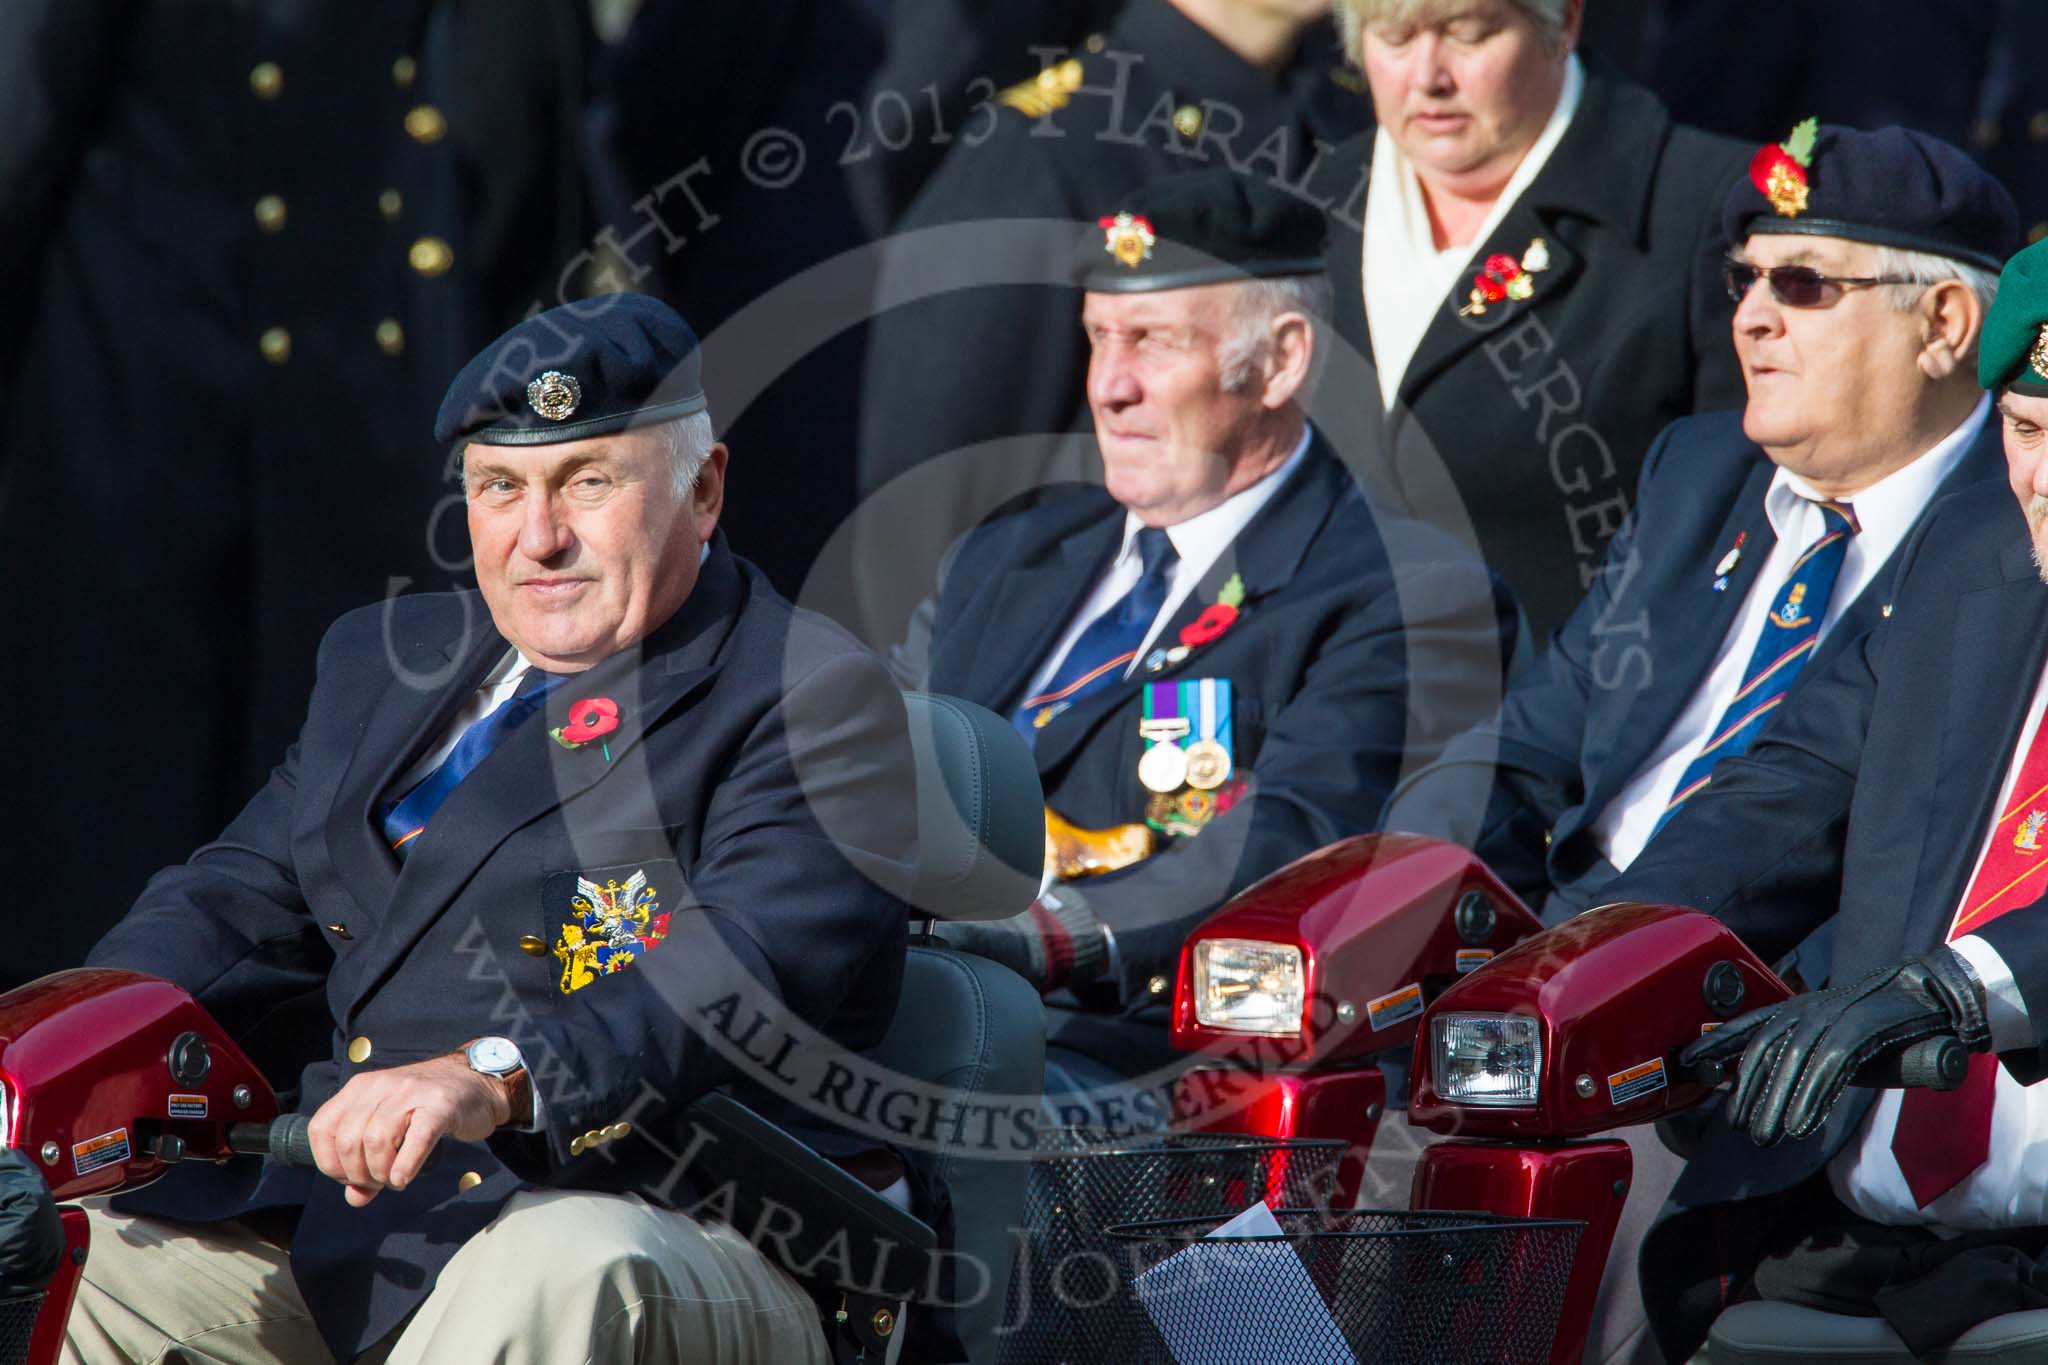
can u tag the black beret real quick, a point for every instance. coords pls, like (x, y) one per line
(1893, 187)
(583, 369)
(1204, 227)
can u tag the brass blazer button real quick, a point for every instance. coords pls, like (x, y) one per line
(532, 946)
(359, 1050)
(470, 1180)
(339, 931)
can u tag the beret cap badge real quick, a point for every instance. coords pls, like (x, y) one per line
(1128, 237)
(554, 395)
(2038, 357)
(1778, 170)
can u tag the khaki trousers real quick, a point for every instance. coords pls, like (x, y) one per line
(558, 1277)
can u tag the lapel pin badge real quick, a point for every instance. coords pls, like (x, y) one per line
(1728, 562)
(1503, 277)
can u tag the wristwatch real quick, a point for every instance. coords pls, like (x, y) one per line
(500, 1059)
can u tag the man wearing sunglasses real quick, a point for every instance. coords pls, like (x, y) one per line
(1762, 541)
(1758, 536)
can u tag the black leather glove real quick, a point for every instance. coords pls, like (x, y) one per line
(1798, 1057)
(1056, 942)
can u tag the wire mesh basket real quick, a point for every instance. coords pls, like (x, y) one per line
(18, 1327)
(1404, 1287)
(1064, 1293)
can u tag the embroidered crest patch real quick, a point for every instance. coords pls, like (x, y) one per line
(605, 922)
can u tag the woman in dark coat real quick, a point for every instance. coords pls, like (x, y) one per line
(1529, 267)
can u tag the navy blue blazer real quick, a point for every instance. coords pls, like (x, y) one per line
(1524, 790)
(1365, 642)
(1873, 794)
(759, 780)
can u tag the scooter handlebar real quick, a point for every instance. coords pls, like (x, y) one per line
(1938, 1063)
(283, 1140)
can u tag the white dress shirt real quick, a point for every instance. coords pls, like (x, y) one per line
(1885, 512)
(2011, 1188)
(1198, 543)
(1407, 280)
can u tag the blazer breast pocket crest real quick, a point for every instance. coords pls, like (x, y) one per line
(607, 916)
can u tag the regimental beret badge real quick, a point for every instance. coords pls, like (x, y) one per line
(554, 395)
(1128, 237)
(2038, 357)
(1779, 170)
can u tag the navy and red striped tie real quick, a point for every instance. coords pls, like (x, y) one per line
(1788, 641)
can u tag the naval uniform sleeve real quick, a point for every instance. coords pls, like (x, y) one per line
(1417, 661)
(1500, 788)
(56, 77)
(790, 910)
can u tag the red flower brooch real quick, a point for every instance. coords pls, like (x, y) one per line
(590, 719)
(1504, 277)
(1217, 617)
(1779, 170)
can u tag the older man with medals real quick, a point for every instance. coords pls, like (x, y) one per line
(1214, 654)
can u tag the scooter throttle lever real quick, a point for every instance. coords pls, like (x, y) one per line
(283, 1140)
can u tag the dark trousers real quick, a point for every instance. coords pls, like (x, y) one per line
(1804, 1247)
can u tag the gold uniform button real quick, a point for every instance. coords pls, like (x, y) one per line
(1095, 42)
(359, 1050)
(617, 1131)
(404, 71)
(425, 124)
(470, 1180)
(270, 213)
(594, 1138)
(267, 80)
(391, 341)
(340, 931)
(1187, 121)
(276, 345)
(390, 203)
(2037, 126)
(431, 256)
(532, 946)
(576, 1146)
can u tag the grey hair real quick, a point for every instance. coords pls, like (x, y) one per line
(1255, 304)
(687, 441)
(1923, 270)
(1355, 16)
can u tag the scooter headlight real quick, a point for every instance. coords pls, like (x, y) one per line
(1249, 986)
(1491, 1060)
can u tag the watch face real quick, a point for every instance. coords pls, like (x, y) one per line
(494, 1055)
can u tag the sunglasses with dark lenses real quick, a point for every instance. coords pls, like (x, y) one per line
(1795, 286)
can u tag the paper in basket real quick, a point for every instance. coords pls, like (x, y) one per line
(1252, 1284)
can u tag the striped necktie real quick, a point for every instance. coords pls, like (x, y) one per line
(404, 819)
(1790, 634)
(1109, 643)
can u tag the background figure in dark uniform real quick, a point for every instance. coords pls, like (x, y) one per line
(241, 247)
(1248, 86)
(943, 58)
(1534, 278)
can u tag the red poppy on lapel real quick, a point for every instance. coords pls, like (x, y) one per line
(589, 719)
(1217, 617)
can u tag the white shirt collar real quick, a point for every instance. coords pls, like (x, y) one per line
(1886, 510)
(1203, 537)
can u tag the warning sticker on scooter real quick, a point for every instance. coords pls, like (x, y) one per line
(1390, 1010)
(1472, 959)
(1644, 1078)
(188, 1106)
(104, 1150)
